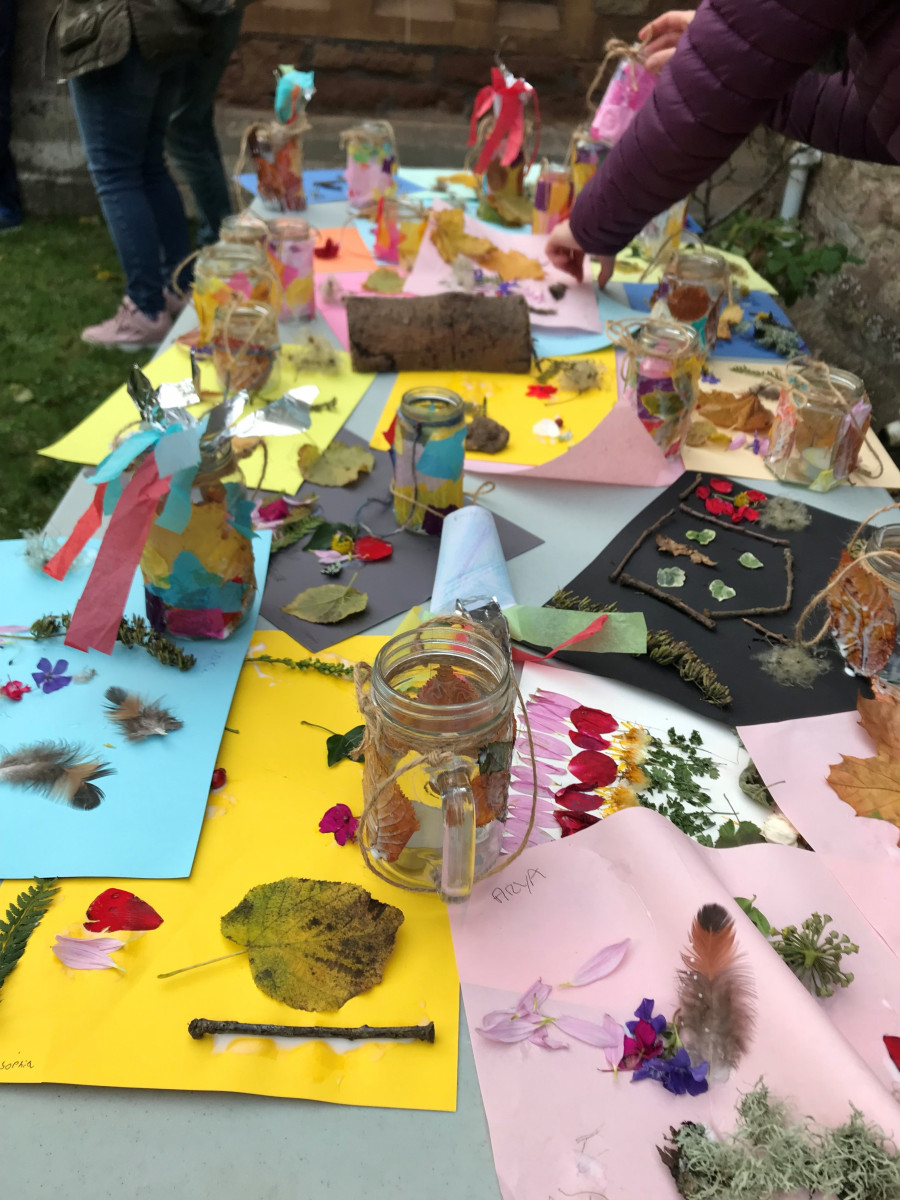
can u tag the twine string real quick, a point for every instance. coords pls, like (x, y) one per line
(616, 49)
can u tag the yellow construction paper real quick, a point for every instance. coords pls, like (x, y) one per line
(90, 441)
(104, 1028)
(630, 267)
(509, 403)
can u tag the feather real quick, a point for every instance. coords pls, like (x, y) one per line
(139, 719)
(716, 1011)
(59, 770)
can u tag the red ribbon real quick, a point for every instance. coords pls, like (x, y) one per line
(509, 122)
(87, 525)
(523, 656)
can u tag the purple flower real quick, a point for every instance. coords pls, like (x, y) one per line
(340, 821)
(675, 1074)
(51, 679)
(505, 288)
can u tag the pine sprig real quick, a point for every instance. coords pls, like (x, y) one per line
(306, 664)
(133, 631)
(22, 918)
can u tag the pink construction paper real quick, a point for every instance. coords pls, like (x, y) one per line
(793, 758)
(619, 450)
(576, 310)
(336, 314)
(559, 1123)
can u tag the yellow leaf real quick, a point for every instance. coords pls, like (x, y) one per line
(464, 178)
(385, 281)
(451, 239)
(871, 786)
(732, 314)
(511, 264)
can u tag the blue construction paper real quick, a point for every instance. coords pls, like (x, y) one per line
(148, 824)
(442, 458)
(741, 345)
(558, 343)
(126, 452)
(284, 91)
(111, 495)
(322, 184)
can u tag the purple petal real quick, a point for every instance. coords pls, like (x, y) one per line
(60, 667)
(608, 1035)
(508, 1031)
(55, 682)
(644, 1010)
(541, 1037)
(331, 556)
(44, 665)
(532, 998)
(38, 678)
(603, 963)
(86, 954)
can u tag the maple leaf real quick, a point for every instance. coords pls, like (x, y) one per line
(668, 545)
(871, 786)
(880, 718)
(313, 944)
(863, 620)
(446, 687)
(391, 823)
(490, 793)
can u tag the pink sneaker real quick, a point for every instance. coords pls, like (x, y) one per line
(175, 304)
(129, 329)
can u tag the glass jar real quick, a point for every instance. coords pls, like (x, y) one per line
(692, 291)
(428, 451)
(553, 196)
(627, 92)
(585, 157)
(664, 230)
(245, 347)
(820, 425)
(662, 374)
(399, 229)
(445, 692)
(244, 229)
(230, 271)
(371, 162)
(277, 153)
(887, 568)
(291, 242)
(200, 582)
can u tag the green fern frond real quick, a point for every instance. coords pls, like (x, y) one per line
(22, 918)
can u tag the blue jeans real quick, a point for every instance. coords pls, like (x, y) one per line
(191, 140)
(122, 113)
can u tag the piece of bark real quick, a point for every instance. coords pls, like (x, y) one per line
(452, 332)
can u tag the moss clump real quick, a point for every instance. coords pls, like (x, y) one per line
(780, 512)
(792, 666)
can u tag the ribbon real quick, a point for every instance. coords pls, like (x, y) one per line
(509, 123)
(523, 656)
(85, 527)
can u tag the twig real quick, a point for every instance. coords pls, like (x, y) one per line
(762, 537)
(658, 594)
(201, 1026)
(637, 545)
(762, 611)
(769, 633)
(684, 495)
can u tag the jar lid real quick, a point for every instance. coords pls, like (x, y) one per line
(667, 339)
(289, 228)
(697, 265)
(432, 406)
(818, 378)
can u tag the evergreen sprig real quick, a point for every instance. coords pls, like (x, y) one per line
(133, 631)
(22, 918)
(662, 648)
(306, 664)
(293, 531)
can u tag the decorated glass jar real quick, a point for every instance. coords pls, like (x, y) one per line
(662, 231)
(585, 157)
(553, 196)
(440, 703)
(229, 271)
(371, 162)
(428, 451)
(277, 152)
(245, 346)
(820, 425)
(692, 291)
(291, 242)
(244, 228)
(199, 581)
(627, 92)
(662, 374)
(886, 566)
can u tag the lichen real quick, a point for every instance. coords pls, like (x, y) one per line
(779, 512)
(792, 666)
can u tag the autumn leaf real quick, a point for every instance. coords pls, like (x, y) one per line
(728, 411)
(880, 718)
(313, 944)
(688, 302)
(863, 620)
(451, 239)
(668, 545)
(511, 264)
(490, 796)
(871, 786)
(446, 687)
(384, 281)
(336, 466)
(328, 604)
(391, 823)
(732, 314)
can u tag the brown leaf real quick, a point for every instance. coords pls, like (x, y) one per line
(880, 718)
(490, 796)
(679, 550)
(729, 411)
(863, 621)
(392, 823)
(871, 786)
(446, 687)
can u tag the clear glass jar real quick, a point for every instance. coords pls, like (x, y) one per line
(245, 229)
(200, 583)
(230, 271)
(553, 196)
(371, 163)
(399, 229)
(277, 153)
(428, 446)
(820, 425)
(585, 157)
(662, 374)
(663, 230)
(692, 291)
(291, 242)
(444, 691)
(245, 347)
(887, 568)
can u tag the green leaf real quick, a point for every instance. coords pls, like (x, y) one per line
(313, 944)
(759, 919)
(294, 531)
(719, 590)
(328, 604)
(385, 281)
(337, 466)
(340, 745)
(750, 561)
(744, 834)
(22, 918)
(670, 577)
(703, 536)
(322, 536)
(496, 756)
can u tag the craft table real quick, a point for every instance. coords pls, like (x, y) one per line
(86, 1143)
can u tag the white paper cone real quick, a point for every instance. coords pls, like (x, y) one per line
(471, 561)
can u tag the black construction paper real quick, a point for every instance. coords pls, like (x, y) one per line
(393, 585)
(729, 649)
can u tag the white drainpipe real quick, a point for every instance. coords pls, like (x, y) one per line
(800, 163)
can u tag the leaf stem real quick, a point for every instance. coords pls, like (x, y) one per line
(206, 963)
(324, 728)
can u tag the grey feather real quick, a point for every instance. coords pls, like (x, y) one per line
(59, 770)
(137, 718)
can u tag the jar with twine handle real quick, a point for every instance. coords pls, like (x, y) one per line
(245, 346)
(372, 162)
(438, 705)
(626, 92)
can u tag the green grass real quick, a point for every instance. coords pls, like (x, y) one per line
(56, 277)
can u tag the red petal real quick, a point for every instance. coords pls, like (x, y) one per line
(756, 497)
(584, 741)
(572, 822)
(390, 431)
(115, 909)
(542, 390)
(577, 799)
(592, 721)
(596, 770)
(218, 779)
(722, 485)
(738, 514)
(371, 549)
(702, 493)
(750, 514)
(893, 1048)
(331, 249)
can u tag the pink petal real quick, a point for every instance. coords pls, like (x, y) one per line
(555, 700)
(608, 1036)
(541, 1037)
(603, 963)
(508, 1031)
(738, 442)
(546, 722)
(86, 954)
(532, 998)
(331, 556)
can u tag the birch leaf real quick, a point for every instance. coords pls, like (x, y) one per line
(750, 561)
(313, 944)
(328, 604)
(719, 590)
(337, 466)
(670, 577)
(703, 536)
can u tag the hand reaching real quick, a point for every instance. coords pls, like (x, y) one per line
(566, 255)
(660, 37)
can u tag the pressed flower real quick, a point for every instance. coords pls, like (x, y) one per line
(702, 493)
(371, 549)
(718, 507)
(635, 776)
(756, 497)
(573, 822)
(593, 769)
(51, 678)
(675, 1074)
(14, 690)
(619, 797)
(601, 964)
(634, 738)
(87, 954)
(275, 510)
(608, 1036)
(751, 515)
(586, 741)
(644, 1036)
(342, 542)
(340, 821)
(593, 721)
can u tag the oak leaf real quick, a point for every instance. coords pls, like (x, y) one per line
(313, 944)
(679, 550)
(863, 620)
(880, 718)
(871, 786)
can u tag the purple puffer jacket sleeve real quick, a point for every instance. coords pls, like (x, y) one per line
(737, 61)
(826, 111)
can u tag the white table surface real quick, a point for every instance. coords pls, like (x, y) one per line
(87, 1143)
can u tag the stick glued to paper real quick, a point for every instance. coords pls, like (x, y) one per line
(471, 561)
